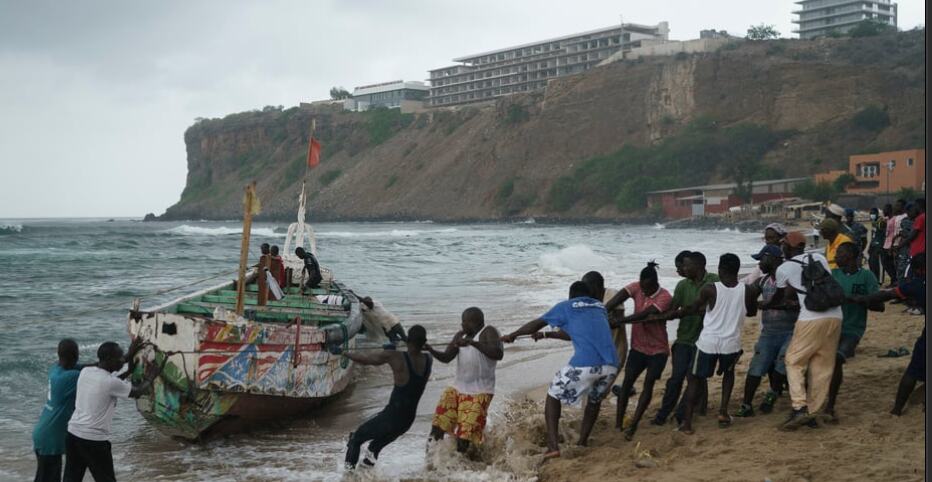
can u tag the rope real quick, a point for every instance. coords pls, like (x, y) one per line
(344, 362)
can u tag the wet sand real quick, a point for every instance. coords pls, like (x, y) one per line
(867, 444)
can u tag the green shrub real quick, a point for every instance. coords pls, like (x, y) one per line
(842, 182)
(822, 191)
(383, 123)
(505, 190)
(870, 28)
(328, 177)
(517, 114)
(871, 118)
(563, 194)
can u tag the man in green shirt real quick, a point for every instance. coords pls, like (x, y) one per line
(684, 348)
(856, 282)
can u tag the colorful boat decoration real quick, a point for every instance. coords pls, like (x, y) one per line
(226, 371)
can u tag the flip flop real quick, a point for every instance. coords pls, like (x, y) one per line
(553, 454)
(902, 351)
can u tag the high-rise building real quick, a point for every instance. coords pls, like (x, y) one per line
(523, 68)
(818, 18)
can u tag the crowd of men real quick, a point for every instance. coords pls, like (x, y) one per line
(814, 310)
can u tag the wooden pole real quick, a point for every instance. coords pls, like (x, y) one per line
(244, 246)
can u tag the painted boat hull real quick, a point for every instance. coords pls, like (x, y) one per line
(224, 373)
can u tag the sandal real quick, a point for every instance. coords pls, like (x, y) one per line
(553, 454)
(724, 422)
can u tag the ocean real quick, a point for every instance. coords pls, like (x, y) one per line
(77, 277)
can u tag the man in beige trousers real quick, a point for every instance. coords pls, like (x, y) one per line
(812, 348)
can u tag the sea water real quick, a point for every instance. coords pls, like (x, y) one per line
(77, 277)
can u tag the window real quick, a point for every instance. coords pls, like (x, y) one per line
(909, 161)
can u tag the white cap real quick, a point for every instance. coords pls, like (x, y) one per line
(836, 210)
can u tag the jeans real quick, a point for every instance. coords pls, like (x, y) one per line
(682, 355)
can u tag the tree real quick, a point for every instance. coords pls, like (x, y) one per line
(870, 28)
(762, 32)
(744, 146)
(821, 192)
(339, 93)
(842, 182)
(871, 118)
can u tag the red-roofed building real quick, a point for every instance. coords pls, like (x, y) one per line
(685, 202)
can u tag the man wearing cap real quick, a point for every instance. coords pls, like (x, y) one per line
(838, 213)
(812, 347)
(773, 236)
(830, 229)
(858, 233)
(777, 322)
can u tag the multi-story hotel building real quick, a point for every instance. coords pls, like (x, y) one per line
(528, 67)
(818, 18)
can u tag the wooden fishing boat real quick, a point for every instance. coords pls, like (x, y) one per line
(232, 360)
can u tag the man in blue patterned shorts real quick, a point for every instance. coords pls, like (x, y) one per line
(584, 321)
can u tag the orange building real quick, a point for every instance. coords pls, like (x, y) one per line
(888, 171)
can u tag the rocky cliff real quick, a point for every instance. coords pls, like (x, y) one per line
(506, 160)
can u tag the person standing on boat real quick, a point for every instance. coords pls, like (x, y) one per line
(48, 437)
(311, 266)
(277, 266)
(464, 406)
(411, 370)
(379, 320)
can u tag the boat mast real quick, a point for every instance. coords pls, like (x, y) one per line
(249, 204)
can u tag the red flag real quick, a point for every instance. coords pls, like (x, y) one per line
(313, 153)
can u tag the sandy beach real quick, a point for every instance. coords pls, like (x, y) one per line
(867, 444)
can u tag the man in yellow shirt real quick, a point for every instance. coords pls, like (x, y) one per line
(829, 230)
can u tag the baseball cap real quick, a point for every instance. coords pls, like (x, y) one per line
(768, 249)
(795, 238)
(777, 228)
(849, 212)
(829, 223)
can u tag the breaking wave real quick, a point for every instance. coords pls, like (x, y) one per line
(186, 230)
(572, 260)
(11, 229)
(394, 233)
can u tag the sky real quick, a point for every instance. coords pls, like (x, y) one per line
(95, 96)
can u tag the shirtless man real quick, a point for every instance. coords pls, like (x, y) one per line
(464, 406)
(411, 370)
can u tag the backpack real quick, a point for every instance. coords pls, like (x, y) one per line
(823, 291)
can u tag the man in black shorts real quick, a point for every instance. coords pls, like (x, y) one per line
(913, 289)
(411, 370)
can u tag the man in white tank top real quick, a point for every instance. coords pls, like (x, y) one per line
(463, 407)
(726, 304)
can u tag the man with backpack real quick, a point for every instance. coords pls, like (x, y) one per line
(815, 338)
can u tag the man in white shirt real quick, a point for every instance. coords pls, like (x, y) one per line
(380, 322)
(87, 444)
(815, 337)
(463, 407)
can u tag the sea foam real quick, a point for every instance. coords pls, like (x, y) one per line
(186, 230)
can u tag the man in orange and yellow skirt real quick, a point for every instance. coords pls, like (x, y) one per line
(464, 406)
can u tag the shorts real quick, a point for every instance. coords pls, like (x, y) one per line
(638, 362)
(463, 415)
(769, 352)
(846, 346)
(917, 364)
(571, 383)
(704, 364)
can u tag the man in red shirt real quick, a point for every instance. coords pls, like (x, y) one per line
(277, 267)
(917, 238)
(650, 345)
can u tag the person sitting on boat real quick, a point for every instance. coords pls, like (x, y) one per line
(464, 406)
(277, 266)
(378, 320)
(87, 444)
(411, 370)
(311, 266)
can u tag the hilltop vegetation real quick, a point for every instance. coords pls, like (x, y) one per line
(589, 147)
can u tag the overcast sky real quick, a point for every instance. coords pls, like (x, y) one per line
(95, 96)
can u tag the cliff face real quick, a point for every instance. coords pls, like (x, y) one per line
(500, 161)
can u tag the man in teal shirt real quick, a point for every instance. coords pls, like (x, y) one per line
(684, 348)
(48, 437)
(856, 282)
